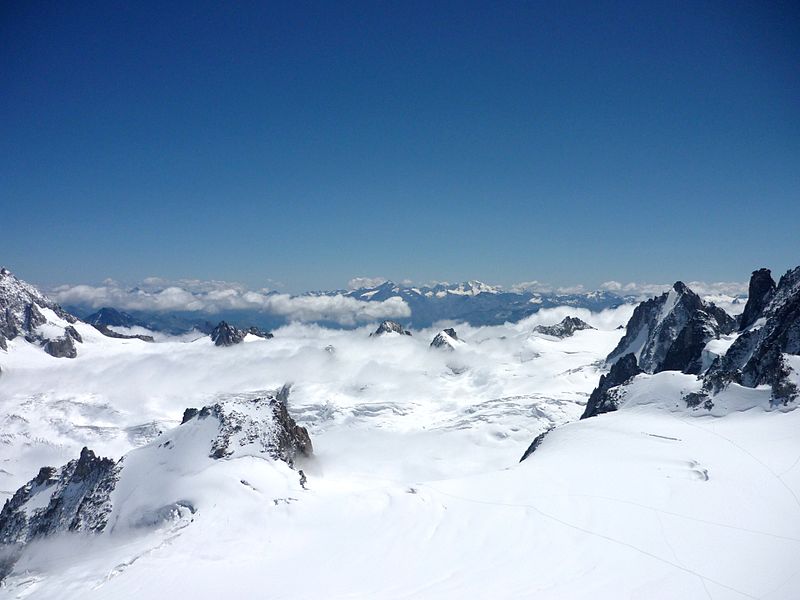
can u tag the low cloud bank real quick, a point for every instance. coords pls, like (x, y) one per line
(214, 296)
(648, 290)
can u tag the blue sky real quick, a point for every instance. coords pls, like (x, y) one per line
(308, 143)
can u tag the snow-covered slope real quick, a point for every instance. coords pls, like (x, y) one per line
(414, 489)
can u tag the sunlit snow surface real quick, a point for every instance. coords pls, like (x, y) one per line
(414, 490)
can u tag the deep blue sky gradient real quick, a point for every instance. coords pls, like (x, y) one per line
(312, 142)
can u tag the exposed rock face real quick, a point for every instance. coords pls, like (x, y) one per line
(62, 347)
(759, 294)
(21, 307)
(75, 497)
(603, 398)
(228, 335)
(258, 332)
(757, 356)
(566, 328)
(80, 495)
(389, 327)
(447, 339)
(670, 331)
(258, 425)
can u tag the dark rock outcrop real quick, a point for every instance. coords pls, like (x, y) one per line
(62, 347)
(446, 339)
(389, 327)
(567, 327)
(759, 294)
(671, 330)
(258, 332)
(757, 356)
(537, 441)
(75, 497)
(228, 335)
(603, 398)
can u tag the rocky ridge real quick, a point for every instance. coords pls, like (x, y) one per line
(228, 335)
(669, 332)
(566, 328)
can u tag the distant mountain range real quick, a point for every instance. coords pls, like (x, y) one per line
(473, 302)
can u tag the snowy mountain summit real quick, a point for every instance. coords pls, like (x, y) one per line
(156, 484)
(26, 312)
(446, 338)
(389, 327)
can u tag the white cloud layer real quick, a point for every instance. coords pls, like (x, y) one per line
(357, 283)
(214, 296)
(648, 290)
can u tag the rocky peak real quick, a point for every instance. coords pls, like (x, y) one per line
(74, 497)
(757, 356)
(389, 327)
(760, 292)
(447, 338)
(21, 313)
(227, 335)
(671, 330)
(566, 328)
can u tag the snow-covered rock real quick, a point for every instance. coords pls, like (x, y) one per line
(25, 311)
(389, 327)
(669, 332)
(761, 354)
(84, 495)
(567, 327)
(447, 339)
(225, 334)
